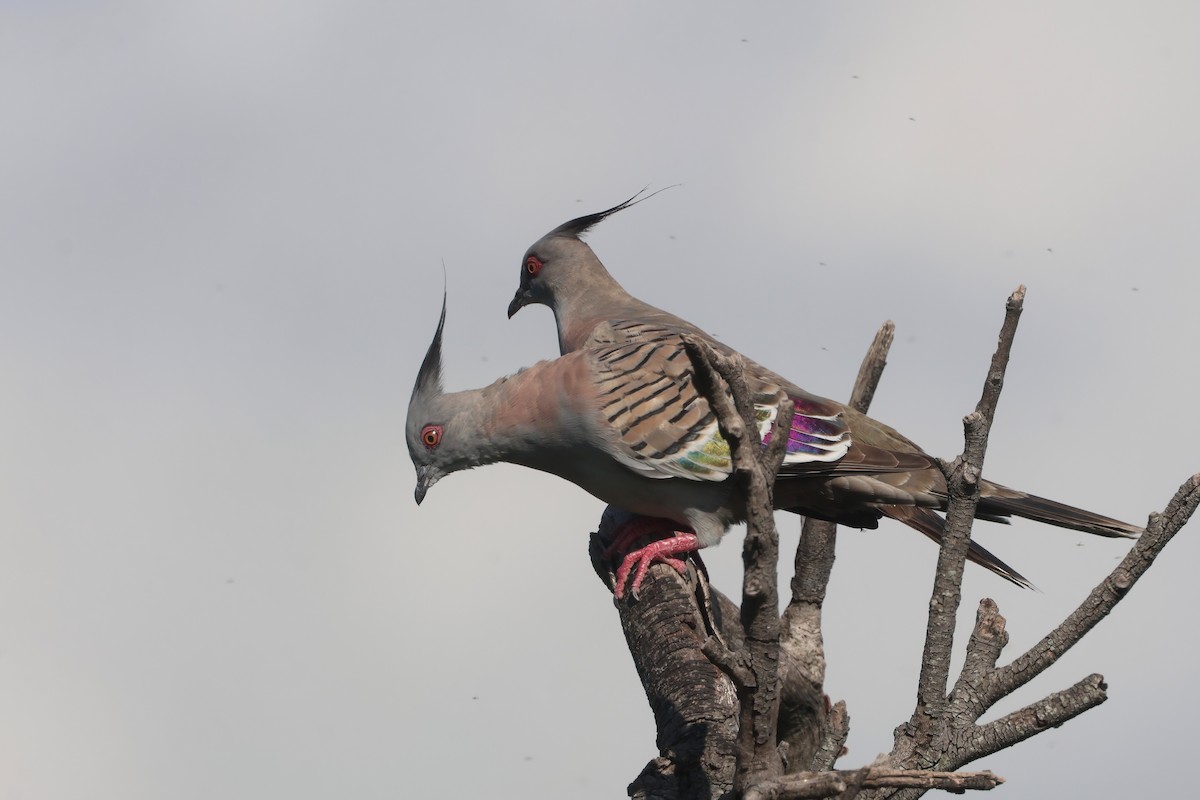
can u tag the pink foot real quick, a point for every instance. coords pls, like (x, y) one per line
(660, 550)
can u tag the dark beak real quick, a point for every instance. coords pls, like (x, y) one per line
(426, 476)
(518, 302)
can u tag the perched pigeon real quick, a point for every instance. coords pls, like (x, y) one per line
(593, 312)
(626, 423)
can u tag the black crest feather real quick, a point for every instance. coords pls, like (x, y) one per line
(429, 379)
(580, 225)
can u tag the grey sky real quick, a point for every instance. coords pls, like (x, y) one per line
(223, 230)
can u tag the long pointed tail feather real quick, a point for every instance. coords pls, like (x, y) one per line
(931, 523)
(997, 500)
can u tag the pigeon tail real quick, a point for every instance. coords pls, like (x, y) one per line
(1001, 501)
(932, 525)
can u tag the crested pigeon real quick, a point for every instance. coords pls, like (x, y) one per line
(625, 422)
(591, 310)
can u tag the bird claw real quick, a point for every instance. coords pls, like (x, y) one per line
(661, 550)
(635, 529)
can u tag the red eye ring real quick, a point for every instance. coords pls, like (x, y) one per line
(431, 436)
(532, 265)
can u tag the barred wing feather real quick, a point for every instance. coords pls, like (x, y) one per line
(663, 428)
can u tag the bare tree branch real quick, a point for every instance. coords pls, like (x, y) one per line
(1100, 602)
(759, 757)
(871, 370)
(833, 737)
(843, 782)
(963, 483)
(814, 557)
(983, 651)
(802, 669)
(694, 704)
(1049, 712)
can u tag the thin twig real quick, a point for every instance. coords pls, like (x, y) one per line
(802, 669)
(983, 651)
(1049, 712)
(871, 369)
(964, 496)
(733, 663)
(814, 557)
(830, 784)
(1110, 591)
(833, 738)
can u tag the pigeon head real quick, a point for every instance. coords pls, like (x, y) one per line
(430, 429)
(561, 260)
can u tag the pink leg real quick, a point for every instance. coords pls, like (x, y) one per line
(660, 550)
(636, 529)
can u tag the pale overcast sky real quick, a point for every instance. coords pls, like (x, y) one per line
(223, 232)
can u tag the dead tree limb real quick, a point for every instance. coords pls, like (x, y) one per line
(694, 703)
(963, 480)
(842, 783)
(720, 378)
(803, 727)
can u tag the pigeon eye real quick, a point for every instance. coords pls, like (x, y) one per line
(532, 265)
(431, 436)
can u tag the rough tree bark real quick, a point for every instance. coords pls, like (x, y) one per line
(737, 693)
